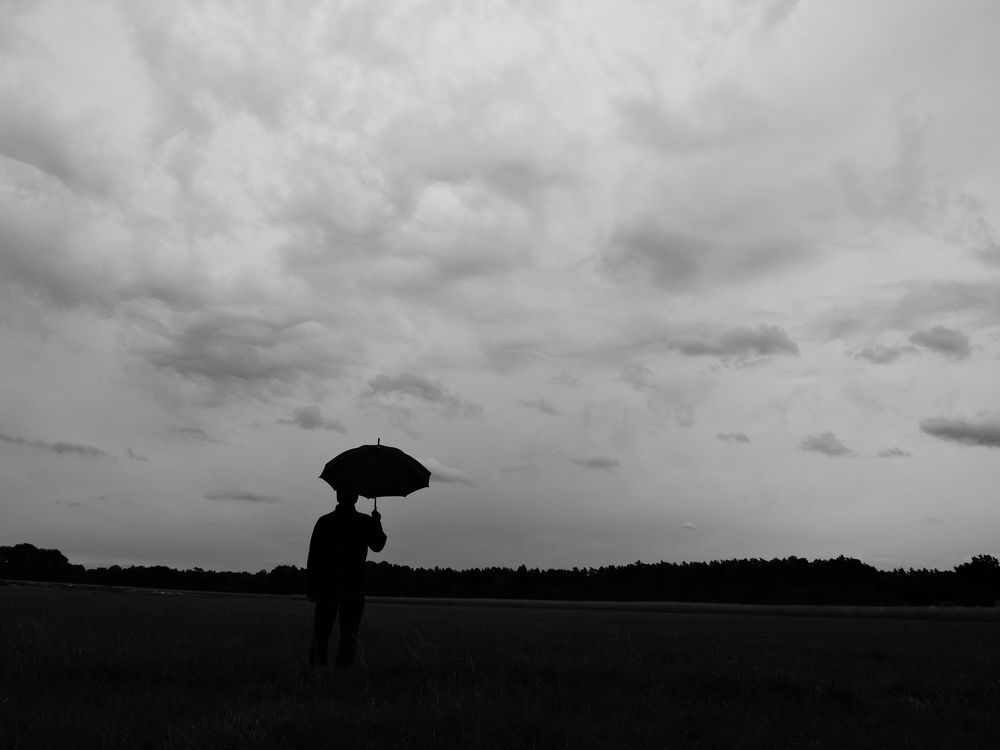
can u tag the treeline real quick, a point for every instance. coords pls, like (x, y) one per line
(790, 580)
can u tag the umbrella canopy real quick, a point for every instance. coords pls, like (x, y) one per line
(376, 471)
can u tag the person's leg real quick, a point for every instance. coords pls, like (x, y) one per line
(351, 608)
(325, 614)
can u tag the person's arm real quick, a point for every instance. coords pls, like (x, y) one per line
(376, 537)
(313, 564)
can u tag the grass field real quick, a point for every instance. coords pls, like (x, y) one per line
(86, 668)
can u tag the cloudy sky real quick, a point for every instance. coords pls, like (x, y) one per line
(637, 281)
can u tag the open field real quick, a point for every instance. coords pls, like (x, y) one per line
(104, 668)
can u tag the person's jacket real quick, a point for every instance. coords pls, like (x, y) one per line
(337, 552)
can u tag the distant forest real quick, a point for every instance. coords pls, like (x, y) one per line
(789, 580)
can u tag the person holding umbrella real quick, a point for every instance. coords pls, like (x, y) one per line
(341, 540)
(335, 572)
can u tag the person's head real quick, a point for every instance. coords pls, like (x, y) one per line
(347, 498)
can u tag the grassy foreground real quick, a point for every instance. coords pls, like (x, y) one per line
(102, 668)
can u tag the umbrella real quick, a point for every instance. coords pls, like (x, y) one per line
(376, 471)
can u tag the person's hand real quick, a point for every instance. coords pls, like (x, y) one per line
(376, 515)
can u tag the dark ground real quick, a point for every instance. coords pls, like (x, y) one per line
(86, 668)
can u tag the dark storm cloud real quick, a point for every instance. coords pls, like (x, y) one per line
(540, 405)
(826, 443)
(733, 437)
(419, 388)
(242, 496)
(59, 447)
(597, 463)
(738, 343)
(893, 452)
(311, 418)
(943, 340)
(984, 431)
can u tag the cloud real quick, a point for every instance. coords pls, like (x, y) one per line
(71, 149)
(826, 443)
(984, 430)
(136, 456)
(935, 298)
(642, 251)
(916, 303)
(89, 503)
(311, 418)
(233, 351)
(598, 463)
(645, 252)
(196, 433)
(408, 386)
(775, 12)
(59, 447)
(905, 189)
(520, 469)
(678, 397)
(715, 117)
(542, 405)
(733, 437)
(441, 474)
(938, 339)
(566, 380)
(893, 452)
(242, 496)
(882, 355)
(88, 451)
(943, 340)
(194, 75)
(738, 343)
(688, 526)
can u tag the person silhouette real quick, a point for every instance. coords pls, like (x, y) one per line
(335, 575)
